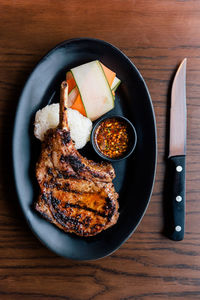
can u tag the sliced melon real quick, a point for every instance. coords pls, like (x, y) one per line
(115, 84)
(95, 92)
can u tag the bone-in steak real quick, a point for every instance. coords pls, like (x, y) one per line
(76, 194)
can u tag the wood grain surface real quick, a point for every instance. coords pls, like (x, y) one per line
(156, 35)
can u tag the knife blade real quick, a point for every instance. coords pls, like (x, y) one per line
(177, 152)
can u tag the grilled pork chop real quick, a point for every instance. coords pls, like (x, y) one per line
(76, 194)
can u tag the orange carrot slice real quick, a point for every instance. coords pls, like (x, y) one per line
(78, 105)
(70, 81)
(72, 96)
(110, 75)
(71, 84)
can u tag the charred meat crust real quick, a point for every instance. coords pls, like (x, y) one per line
(76, 194)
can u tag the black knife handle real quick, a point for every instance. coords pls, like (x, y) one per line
(177, 171)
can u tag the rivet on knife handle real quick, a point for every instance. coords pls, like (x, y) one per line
(177, 194)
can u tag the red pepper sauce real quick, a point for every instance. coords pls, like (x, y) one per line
(112, 138)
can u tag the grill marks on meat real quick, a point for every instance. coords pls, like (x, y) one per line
(76, 194)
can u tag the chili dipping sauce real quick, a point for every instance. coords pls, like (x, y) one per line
(112, 137)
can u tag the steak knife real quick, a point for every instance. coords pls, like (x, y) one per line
(177, 153)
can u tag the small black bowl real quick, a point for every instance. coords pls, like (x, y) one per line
(132, 138)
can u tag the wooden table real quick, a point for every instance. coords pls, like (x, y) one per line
(156, 36)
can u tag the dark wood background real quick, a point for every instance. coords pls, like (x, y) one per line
(156, 35)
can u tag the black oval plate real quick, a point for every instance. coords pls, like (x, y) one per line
(135, 175)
